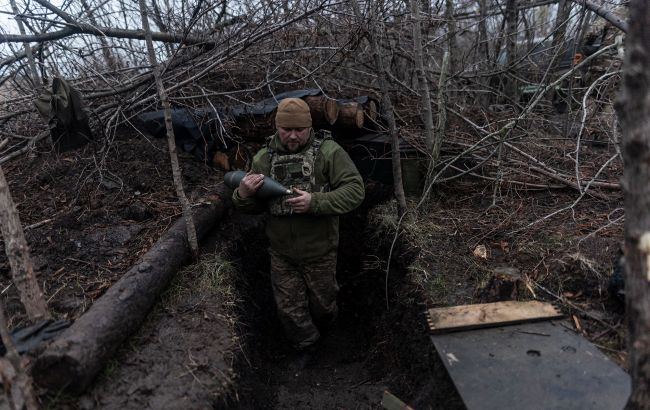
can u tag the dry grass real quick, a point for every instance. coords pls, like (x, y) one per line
(418, 235)
(561, 260)
(212, 274)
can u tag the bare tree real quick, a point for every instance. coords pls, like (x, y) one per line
(14, 376)
(28, 50)
(634, 111)
(559, 32)
(421, 75)
(109, 58)
(452, 48)
(383, 77)
(171, 140)
(511, 20)
(17, 250)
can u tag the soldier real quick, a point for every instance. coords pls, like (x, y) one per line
(303, 229)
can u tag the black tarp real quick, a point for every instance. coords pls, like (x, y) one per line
(201, 131)
(30, 338)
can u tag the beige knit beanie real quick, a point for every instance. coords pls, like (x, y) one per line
(293, 113)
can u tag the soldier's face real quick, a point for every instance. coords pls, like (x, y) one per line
(293, 138)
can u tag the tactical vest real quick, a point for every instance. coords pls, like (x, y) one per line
(296, 171)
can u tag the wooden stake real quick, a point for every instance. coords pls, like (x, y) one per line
(13, 373)
(22, 269)
(171, 139)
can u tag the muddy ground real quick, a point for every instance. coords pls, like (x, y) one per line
(214, 341)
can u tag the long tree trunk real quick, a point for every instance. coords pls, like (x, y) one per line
(158, 19)
(511, 48)
(424, 91)
(109, 58)
(529, 30)
(441, 125)
(559, 31)
(390, 114)
(483, 49)
(22, 269)
(452, 48)
(17, 383)
(37, 83)
(81, 351)
(634, 111)
(373, 32)
(171, 140)
(483, 42)
(421, 74)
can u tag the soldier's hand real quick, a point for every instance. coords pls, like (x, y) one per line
(249, 184)
(301, 202)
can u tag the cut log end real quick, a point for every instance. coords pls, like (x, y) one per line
(351, 114)
(331, 111)
(58, 372)
(324, 111)
(371, 112)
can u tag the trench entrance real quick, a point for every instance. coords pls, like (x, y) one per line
(369, 349)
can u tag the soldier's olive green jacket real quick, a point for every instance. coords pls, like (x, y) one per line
(302, 237)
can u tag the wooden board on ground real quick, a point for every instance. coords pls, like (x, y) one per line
(455, 318)
(390, 402)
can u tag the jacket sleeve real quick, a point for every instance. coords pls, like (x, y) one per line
(251, 205)
(346, 186)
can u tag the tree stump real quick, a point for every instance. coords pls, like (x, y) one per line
(503, 285)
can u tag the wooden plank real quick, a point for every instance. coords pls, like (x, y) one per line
(466, 317)
(390, 402)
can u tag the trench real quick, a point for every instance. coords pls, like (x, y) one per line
(369, 350)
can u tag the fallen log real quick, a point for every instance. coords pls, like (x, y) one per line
(75, 358)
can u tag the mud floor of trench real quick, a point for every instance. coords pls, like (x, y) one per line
(186, 355)
(369, 350)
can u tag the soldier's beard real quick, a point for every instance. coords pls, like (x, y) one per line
(293, 147)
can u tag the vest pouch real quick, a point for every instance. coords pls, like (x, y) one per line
(295, 171)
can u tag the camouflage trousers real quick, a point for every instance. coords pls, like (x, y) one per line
(305, 295)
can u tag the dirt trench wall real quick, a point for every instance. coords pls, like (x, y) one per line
(74, 359)
(371, 349)
(183, 356)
